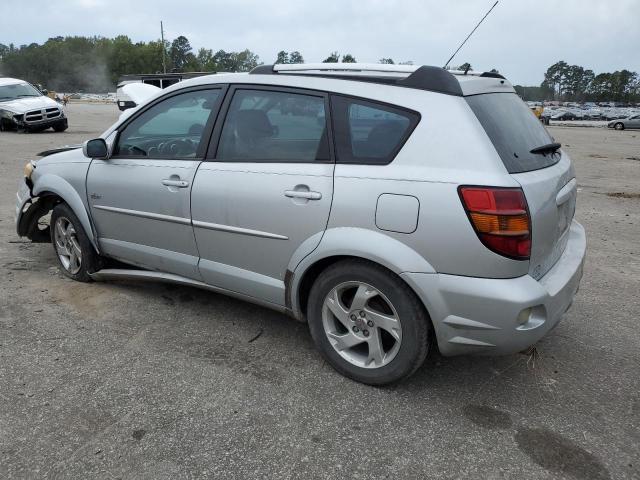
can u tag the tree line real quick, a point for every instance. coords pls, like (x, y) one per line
(573, 83)
(95, 64)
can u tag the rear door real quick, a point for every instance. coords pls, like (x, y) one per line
(140, 197)
(266, 192)
(547, 177)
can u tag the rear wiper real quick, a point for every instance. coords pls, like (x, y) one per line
(549, 147)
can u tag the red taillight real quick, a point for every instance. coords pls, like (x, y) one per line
(500, 218)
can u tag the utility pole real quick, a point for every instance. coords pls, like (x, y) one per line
(164, 62)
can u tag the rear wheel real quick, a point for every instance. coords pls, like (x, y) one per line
(619, 126)
(74, 251)
(367, 323)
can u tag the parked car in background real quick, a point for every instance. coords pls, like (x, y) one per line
(563, 115)
(329, 192)
(630, 122)
(24, 107)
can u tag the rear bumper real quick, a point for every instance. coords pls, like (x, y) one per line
(501, 316)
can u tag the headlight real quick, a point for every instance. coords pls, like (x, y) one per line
(28, 169)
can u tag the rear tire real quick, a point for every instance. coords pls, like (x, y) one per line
(619, 126)
(367, 323)
(75, 254)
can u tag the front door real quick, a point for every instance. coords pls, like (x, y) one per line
(140, 197)
(266, 195)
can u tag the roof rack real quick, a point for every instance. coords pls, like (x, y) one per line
(434, 79)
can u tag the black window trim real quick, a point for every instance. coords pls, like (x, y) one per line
(413, 114)
(206, 134)
(214, 143)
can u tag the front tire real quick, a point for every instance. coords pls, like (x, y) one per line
(75, 254)
(619, 126)
(367, 323)
(61, 126)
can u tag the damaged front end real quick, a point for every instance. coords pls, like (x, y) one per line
(31, 213)
(31, 210)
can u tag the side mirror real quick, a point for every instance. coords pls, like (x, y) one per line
(96, 148)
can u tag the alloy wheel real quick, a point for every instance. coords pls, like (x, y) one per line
(361, 324)
(67, 245)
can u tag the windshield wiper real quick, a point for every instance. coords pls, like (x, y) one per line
(549, 147)
(25, 95)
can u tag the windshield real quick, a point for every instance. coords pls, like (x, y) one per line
(17, 90)
(514, 131)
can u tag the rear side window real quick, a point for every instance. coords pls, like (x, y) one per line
(514, 131)
(272, 126)
(370, 133)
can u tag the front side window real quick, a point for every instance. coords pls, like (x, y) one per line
(270, 126)
(370, 133)
(172, 128)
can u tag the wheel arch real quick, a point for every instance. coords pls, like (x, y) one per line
(52, 187)
(338, 244)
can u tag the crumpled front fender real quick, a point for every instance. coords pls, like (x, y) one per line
(49, 185)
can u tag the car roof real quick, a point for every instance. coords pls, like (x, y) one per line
(10, 81)
(429, 78)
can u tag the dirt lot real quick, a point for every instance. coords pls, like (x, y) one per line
(126, 380)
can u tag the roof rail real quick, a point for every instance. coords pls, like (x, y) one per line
(344, 67)
(435, 79)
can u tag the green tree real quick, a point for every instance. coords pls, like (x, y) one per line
(179, 53)
(333, 58)
(555, 78)
(205, 60)
(465, 67)
(348, 58)
(387, 61)
(296, 57)
(283, 57)
(235, 61)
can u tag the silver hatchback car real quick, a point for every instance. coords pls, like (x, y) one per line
(393, 208)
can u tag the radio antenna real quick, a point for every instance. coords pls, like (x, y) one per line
(465, 40)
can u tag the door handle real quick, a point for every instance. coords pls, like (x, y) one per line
(175, 183)
(303, 194)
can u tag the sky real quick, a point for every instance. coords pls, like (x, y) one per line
(520, 38)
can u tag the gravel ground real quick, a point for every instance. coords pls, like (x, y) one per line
(135, 380)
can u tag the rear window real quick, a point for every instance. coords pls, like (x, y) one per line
(368, 132)
(514, 131)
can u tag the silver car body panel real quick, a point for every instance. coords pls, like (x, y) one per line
(64, 174)
(241, 228)
(125, 274)
(551, 197)
(139, 218)
(247, 228)
(481, 315)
